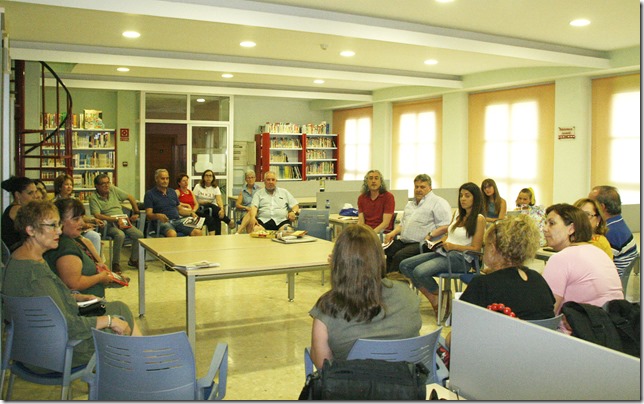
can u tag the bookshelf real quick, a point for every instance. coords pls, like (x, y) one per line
(296, 156)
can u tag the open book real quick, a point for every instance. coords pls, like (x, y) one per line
(432, 245)
(123, 221)
(196, 222)
(116, 278)
(198, 265)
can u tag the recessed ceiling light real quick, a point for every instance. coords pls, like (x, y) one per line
(122, 69)
(431, 62)
(347, 53)
(200, 100)
(581, 22)
(248, 44)
(131, 34)
(227, 76)
(318, 81)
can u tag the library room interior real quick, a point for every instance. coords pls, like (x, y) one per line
(375, 180)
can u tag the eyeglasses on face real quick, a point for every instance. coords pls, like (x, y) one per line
(53, 226)
(104, 183)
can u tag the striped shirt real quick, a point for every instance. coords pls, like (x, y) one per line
(622, 242)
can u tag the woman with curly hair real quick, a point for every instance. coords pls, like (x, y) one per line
(509, 244)
(362, 302)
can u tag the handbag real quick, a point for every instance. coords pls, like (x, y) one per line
(366, 379)
(92, 310)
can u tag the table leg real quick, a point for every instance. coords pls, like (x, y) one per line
(191, 313)
(291, 286)
(141, 280)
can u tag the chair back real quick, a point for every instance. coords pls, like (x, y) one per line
(5, 253)
(627, 272)
(37, 332)
(158, 367)
(315, 222)
(551, 323)
(420, 349)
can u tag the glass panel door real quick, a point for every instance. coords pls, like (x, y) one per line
(210, 151)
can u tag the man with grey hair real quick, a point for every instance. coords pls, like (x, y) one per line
(163, 206)
(273, 207)
(376, 205)
(619, 235)
(426, 216)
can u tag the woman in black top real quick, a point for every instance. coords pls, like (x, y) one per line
(508, 244)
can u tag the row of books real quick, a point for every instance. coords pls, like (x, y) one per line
(287, 172)
(319, 142)
(287, 127)
(279, 157)
(323, 167)
(94, 159)
(286, 142)
(318, 154)
(93, 140)
(86, 180)
(90, 119)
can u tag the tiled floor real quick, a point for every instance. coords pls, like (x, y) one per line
(266, 333)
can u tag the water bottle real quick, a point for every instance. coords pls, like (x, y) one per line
(321, 184)
(327, 204)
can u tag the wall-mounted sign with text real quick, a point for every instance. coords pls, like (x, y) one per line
(567, 132)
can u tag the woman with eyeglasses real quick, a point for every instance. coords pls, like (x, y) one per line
(76, 260)
(509, 244)
(64, 189)
(208, 195)
(244, 199)
(22, 190)
(578, 272)
(597, 222)
(27, 274)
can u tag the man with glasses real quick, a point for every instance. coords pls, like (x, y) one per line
(105, 204)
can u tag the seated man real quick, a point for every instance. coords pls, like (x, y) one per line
(619, 235)
(105, 204)
(376, 205)
(163, 205)
(427, 215)
(273, 207)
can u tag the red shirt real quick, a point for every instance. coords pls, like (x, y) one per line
(186, 197)
(374, 209)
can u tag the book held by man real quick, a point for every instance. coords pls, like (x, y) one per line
(123, 221)
(196, 222)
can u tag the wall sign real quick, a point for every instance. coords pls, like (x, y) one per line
(125, 134)
(566, 132)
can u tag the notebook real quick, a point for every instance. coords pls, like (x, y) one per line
(288, 240)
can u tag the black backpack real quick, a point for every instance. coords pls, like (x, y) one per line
(617, 327)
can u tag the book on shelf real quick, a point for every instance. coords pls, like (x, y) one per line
(196, 222)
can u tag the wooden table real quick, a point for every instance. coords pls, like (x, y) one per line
(238, 255)
(544, 254)
(341, 221)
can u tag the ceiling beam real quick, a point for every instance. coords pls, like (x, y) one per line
(251, 13)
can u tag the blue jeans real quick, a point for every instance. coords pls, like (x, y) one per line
(422, 268)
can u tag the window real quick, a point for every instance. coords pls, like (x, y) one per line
(511, 141)
(416, 143)
(354, 142)
(615, 158)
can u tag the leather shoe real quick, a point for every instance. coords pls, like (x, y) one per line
(135, 263)
(116, 268)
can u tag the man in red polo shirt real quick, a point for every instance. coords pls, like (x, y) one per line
(375, 204)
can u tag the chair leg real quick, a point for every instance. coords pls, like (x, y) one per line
(10, 386)
(323, 277)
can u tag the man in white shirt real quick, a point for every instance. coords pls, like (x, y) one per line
(428, 215)
(273, 207)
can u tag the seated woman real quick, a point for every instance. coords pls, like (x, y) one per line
(75, 260)
(465, 233)
(526, 202)
(189, 204)
(525, 199)
(42, 188)
(598, 224)
(509, 244)
(22, 190)
(494, 206)
(64, 189)
(244, 199)
(578, 272)
(362, 303)
(27, 274)
(209, 196)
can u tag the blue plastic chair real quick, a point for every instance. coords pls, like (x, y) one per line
(316, 224)
(420, 349)
(157, 367)
(37, 336)
(445, 283)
